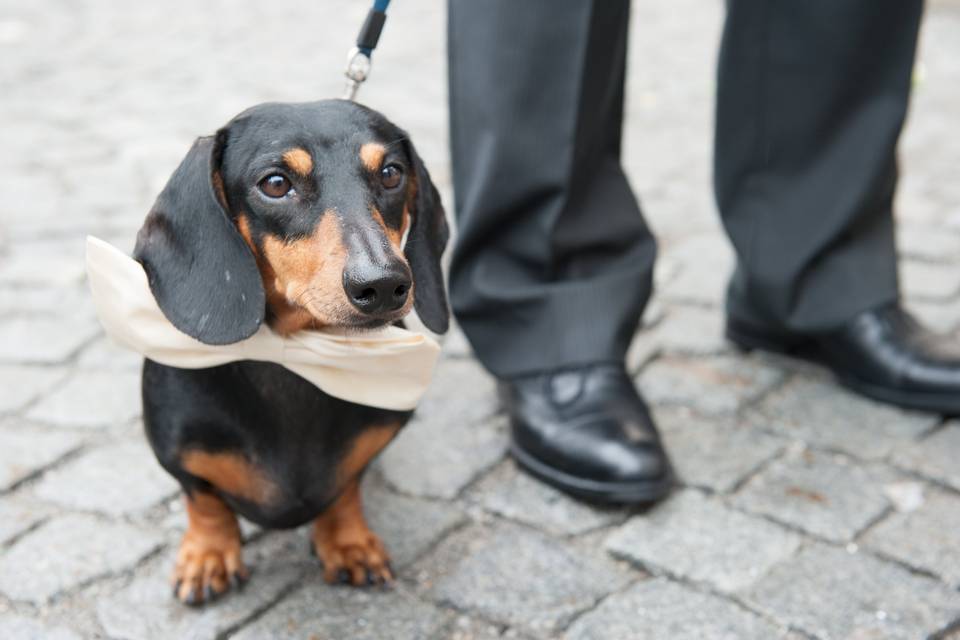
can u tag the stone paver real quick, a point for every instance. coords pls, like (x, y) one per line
(659, 608)
(24, 451)
(99, 103)
(408, 526)
(18, 514)
(923, 281)
(713, 386)
(438, 459)
(43, 263)
(700, 539)
(928, 243)
(824, 495)
(321, 611)
(935, 457)
(46, 301)
(92, 399)
(816, 410)
(43, 340)
(22, 628)
(691, 330)
(146, 610)
(706, 264)
(104, 354)
(714, 453)
(831, 593)
(924, 538)
(519, 577)
(116, 480)
(68, 551)
(510, 493)
(22, 384)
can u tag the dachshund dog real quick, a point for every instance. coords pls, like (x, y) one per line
(304, 216)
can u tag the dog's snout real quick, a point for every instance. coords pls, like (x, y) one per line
(375, 289)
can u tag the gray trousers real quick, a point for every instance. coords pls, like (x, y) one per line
(553, 261)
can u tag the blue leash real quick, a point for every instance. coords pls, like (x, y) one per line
(358, 61)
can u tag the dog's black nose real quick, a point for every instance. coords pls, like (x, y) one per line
(375, 290)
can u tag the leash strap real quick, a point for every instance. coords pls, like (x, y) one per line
(358, 60)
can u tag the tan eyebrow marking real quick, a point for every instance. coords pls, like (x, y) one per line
(371, 155)
(299, 161)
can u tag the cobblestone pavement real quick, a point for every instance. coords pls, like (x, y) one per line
(804, 512)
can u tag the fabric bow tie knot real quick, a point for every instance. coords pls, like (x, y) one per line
(389, 368)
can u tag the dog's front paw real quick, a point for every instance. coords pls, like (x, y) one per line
(355, 557)
(207, 568)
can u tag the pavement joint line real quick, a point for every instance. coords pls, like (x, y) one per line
(917, 475)
(946, 631)
(259, 612)
(78, 588)
(34, 475)
(809, 537)
(600, 600)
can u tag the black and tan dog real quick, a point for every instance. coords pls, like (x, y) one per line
(303, 215)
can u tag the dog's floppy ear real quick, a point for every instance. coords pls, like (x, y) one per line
(425, 244)
(200, 270)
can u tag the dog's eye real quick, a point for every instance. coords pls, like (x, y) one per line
(275, 186)
(391, 176)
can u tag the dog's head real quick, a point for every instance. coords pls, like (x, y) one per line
(311, 215)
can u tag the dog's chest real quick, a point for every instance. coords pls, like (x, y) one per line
(275, 445)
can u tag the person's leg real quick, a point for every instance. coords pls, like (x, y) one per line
(811, 100)
(553, 261)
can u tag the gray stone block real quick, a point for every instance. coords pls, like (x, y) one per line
(461, 393)
(321, 611)
(437, 458)
(18, 514)
(706, 263)
(512, 493)
(22, 384)
(932, 282)
(104, 354)
(146, 610)
(934, 457)
(16, 627)
(688, 330)
(717, 385)
(925, 538)
(409, 527)
(43, 340)
(92, 399)
(713, 453)
(701, 540)
(927, 243)
(658, 608)
(818, 411)
(828, 496)
(831, 593)
(55, 263)
(465, 628)
(451, 438)
(25, 451)
(518, 577)
(67, 552)
(116, 479)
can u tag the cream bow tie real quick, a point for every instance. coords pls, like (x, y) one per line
(389, 368)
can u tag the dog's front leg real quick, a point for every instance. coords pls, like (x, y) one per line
(209, 561)
(351, 553)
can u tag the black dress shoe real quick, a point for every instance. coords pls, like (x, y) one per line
(884, 354)
(587, 432)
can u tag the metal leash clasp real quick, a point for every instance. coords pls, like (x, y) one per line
(358, 69)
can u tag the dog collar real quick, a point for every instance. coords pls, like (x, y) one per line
(389, 368)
